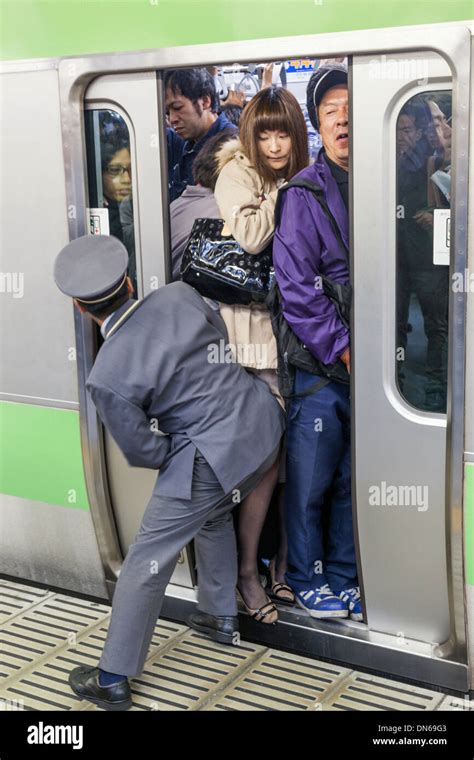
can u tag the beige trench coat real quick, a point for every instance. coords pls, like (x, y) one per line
(247, 205)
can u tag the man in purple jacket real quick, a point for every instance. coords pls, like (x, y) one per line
(309, 246)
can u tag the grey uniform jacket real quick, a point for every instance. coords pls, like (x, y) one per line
(158, 364)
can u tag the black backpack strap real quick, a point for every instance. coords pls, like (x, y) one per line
(317, 191)
(320, 383)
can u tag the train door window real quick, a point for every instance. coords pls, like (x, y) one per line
(110, 180)
(423, 201)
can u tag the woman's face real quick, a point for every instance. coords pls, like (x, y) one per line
(275, 149)
(117, 177)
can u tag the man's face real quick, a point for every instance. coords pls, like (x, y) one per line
(333, 114)
(407, 134)
(185, 117)
(443, 130)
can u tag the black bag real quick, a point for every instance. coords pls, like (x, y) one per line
(219, 268)
(291, 351)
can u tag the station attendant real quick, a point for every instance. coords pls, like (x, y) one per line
(154, 369)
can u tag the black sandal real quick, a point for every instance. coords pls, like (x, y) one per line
(262, 614)
(287, 597)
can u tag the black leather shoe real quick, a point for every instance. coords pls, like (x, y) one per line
(222, 629)
(84, 681)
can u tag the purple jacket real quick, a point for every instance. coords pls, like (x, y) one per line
(304, 247)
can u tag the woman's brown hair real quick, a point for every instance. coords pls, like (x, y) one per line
(274, 109)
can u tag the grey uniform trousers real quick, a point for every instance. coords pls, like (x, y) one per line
(168, 525)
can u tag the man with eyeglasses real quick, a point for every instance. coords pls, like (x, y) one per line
(117, 190)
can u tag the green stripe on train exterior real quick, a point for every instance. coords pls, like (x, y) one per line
(41, 455)
(52, 28)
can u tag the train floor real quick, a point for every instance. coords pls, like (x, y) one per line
(44, 634)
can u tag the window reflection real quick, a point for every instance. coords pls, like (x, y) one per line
(423, 143)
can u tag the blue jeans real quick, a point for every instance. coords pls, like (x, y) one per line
(319, 479)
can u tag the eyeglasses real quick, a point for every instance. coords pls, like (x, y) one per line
(116, 170)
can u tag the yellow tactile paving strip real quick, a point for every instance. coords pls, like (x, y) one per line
(43, 635)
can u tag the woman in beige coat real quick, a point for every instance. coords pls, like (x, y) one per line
(273, 147)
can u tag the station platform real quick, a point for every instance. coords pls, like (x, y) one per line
(44, 634)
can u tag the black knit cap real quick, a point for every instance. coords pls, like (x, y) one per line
(321, 81)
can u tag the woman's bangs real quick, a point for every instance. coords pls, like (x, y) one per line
(272, 120)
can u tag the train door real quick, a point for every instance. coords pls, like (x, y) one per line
(408, 347)
(125, 199)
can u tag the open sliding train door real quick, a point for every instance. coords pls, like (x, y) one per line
(409, 128)
(126, 191)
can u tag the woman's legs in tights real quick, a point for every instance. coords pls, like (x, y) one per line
(252, 513)
(281, 557)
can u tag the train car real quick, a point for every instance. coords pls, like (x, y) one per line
(70, 503)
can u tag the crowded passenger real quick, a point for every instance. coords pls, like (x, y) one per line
(191, 105)
(439, 164)
(233, 113)
(308, 246)
(117, 191)
(197, 201)
(116, 180)
(417, 195)
(272, 149)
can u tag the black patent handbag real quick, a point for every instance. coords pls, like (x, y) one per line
(219, 268)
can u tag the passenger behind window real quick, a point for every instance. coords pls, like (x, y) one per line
(117, 189)
(416, 273)
(273, 148)
(112, 126)
(191, 106)
(439, 165)
(197, 201)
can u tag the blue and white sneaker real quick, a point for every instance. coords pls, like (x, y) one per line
(322, 603)
(351, 597)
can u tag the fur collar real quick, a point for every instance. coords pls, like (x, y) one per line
(229, 150)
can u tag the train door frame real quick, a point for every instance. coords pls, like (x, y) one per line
(425, 432)
(134, 97)
(362, 648)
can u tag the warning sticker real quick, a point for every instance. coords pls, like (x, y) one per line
(99, 221)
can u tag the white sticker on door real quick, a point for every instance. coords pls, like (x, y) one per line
(98, 221)
(441, 235)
